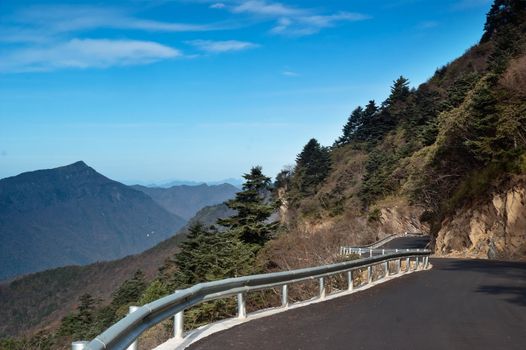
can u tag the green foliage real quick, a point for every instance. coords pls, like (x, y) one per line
(253, 207)
(80, 324)
(355, 121)
(13, 344)
(374, 215)
(313, 165)
(399, 91)
(130, 291)
(207, 255)
(155, 290)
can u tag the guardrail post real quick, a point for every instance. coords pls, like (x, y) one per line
(360, 252)
(386, 268)
(369, 274)
(407, 264)
(241, 306)
(398, 265)
(370, 252)
(427, 262)
(383, 251)
(322, 288)
(417, 260)
(133, 345)
(350, 285)
(179, 325)
(79, 345)
(284, 295)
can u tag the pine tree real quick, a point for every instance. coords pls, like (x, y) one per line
(354, 122)
(313, 165)
(399, 91)
(208, 255)
(130, 290)
(80, 324)
(253, 207)
(365, 130)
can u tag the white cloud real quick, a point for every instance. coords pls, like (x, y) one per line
(259, 7)
(86, 53)
(40, 23)
(306, 25)
(217, 5)
(222, 46)
(294, 21)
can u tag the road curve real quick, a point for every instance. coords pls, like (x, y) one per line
(410, 242)
(459, 304)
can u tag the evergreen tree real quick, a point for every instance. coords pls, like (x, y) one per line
(367, 126)
(207, 255)
(501, 13)
(399, 91)
(354, 122)
(130, 291)
(253, 208)
(313, 165)
(80, 324)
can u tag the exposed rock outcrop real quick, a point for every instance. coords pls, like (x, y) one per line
(495, 229)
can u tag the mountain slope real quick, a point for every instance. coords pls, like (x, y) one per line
(74, 215)
(40, 300)
(429, 154)
(185, 201)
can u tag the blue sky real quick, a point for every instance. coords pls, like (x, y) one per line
(203, 90)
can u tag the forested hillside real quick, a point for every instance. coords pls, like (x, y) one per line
(415, 160)
(74, 215)
(39, 301)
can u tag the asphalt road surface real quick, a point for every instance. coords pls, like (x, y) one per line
(406, 243)
(459, 304)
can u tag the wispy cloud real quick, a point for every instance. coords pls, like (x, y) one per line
(40, 23)
(293, 21)
(222, 46)
(260, 7)
(289, 73)
(306, 25)
(217, 5)
(86, 53)
(427, 24)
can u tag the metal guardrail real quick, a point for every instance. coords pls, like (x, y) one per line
(124, 334)
(372, 252)
(389, 238)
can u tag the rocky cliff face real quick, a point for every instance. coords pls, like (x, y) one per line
(495, 229)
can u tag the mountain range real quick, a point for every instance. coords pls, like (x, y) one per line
(42, 299)
(73, 215)
(185, 200)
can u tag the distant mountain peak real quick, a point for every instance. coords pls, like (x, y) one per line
(78, 164)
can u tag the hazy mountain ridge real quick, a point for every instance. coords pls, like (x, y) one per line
(185, 201)
(74, 215)
(41, 299)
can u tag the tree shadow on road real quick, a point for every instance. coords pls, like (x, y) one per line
(507, 279)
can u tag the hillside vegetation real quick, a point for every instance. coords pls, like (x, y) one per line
(430, 151)
(40, 300)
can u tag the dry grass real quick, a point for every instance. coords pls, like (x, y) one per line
(514, 78)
